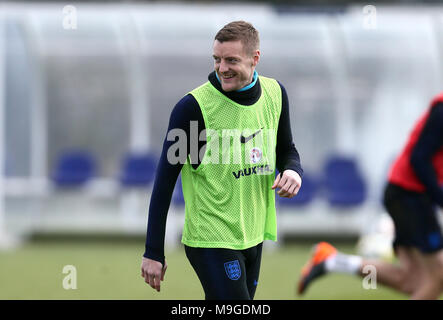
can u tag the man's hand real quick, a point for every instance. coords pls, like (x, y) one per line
(153, 272)
(289, 183)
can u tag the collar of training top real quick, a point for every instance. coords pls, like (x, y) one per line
(246, 96)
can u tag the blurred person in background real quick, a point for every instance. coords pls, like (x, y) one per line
(229, 207)
(411, 198)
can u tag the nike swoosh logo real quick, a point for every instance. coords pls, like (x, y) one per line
(246, 139)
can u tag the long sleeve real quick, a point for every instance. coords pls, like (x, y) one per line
(287, 154)
(185, 111)
(429, 142)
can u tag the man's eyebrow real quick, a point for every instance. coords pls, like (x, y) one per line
(230, 57)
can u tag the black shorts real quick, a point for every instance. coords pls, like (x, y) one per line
(415, 219)
(227, 274)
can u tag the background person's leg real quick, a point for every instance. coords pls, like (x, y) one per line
(431, 285)
(404, 276)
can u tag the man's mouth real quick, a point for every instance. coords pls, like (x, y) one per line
(228, 76)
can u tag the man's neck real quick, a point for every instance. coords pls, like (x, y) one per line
(248, 86)
(246, 96)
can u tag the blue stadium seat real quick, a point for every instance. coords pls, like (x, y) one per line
(304, 196)
(344, 183)
(74, 168)
(138, 169)
(177, 196)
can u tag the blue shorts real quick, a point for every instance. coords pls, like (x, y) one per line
(227, 274)
(415, 219)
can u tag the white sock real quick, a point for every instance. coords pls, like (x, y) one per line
(343, 263)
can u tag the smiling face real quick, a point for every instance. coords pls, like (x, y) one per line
(234, 66)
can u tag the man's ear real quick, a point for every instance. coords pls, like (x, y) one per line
(256, 58)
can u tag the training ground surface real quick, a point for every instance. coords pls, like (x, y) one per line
(111, 270)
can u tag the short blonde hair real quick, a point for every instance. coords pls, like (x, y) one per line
(243, 31)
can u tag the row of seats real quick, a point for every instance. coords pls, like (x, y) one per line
(76, 168)
(341, 181)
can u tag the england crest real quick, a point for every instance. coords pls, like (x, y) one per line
(233, 270)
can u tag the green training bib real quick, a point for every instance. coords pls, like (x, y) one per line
(229, 202)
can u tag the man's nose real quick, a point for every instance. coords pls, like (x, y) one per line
(223, 67)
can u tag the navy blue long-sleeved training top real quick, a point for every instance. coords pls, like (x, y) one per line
(185, 111)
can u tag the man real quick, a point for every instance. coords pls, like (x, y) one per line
(229, 205)
(411, 196)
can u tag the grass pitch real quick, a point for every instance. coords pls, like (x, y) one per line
(111, 270)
